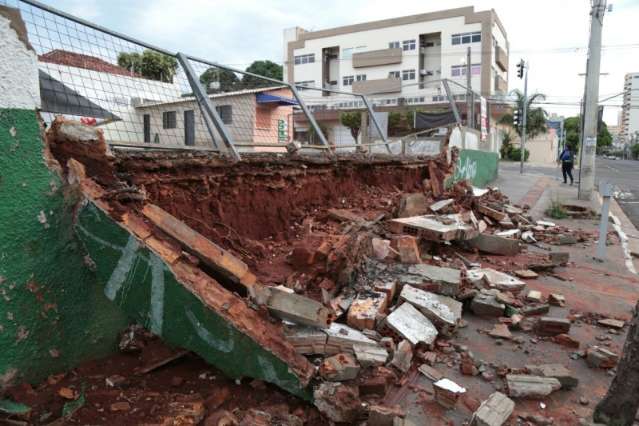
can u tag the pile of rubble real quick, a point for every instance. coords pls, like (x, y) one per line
(394, 292)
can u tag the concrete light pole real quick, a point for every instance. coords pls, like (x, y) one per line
(469, 92)
(522, 154)
(591, 96)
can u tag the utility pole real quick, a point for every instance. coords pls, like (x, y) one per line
(469, 91)
(591, 96)
(522, 71)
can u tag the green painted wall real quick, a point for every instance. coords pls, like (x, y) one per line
(53, 312)
(479, 167)
(140, 283)
(57, 307)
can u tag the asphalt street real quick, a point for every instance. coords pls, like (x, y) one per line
(622, 174)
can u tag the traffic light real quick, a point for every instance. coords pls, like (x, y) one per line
(520, 69)
(516, 118)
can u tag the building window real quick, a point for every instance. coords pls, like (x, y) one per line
(466, 38)
(408, 44)
(408, 75)
(394, 74)
(308, 83)
(460, 70)
(305, 59)
(393, 45)
(146, 121)
(347, 80)
(226, 113)
(169, 120)
(360, 77)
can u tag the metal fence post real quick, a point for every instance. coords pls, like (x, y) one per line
(371, 114)
(451, 100)
(309, 115)
(207, 106)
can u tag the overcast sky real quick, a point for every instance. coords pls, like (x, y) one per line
(551, 34)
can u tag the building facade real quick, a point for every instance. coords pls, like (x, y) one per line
(629, 125)
(402, 57)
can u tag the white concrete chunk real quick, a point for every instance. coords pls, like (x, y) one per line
(444, 311)
(494, 411)
(409, 323)
(495, 279)
(525, 386)
(341, 338)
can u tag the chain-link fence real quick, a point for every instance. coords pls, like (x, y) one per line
(143, 96)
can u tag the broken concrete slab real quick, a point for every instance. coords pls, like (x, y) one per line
(500, 331)
(448, 279)
(440, 205)
(414, 204)
(526, 274)
(557, 371)
(389, 287)
(559, 257)
(340, 367)
(486, 304)
(526, 386)
(494, 244)
(430, 372)
(598, 357)
(531, 310)
(369, 356)
(412, 325)
(342, 338)
(511, 233)
(435, 228)
(557, 299)
(403, 356)
(406, 246)
(381, 248)
(534, 296)
(382, 415)
(495, 279)
(338, 402)
(365, 309)
(447, 392)
(612, 323)
(494, 411)
(285, 304)
(443, 311)
(550, 326)
(306, 340)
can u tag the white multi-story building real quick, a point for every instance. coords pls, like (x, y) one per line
(629, 124)
(401, 58)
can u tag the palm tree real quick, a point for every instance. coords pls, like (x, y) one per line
(535, 117)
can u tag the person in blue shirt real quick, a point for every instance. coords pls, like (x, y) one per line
(567, 161)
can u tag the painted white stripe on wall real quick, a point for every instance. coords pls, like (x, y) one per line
(119, 274)
(157, 295)
(216, 343)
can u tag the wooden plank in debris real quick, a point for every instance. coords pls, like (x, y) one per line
(197, 244)
(491, 213)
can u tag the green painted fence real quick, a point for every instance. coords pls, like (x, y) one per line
(479, 167)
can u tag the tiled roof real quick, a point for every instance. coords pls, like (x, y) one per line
(78, 60)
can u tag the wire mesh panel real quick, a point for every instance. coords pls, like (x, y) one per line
(130, 91)
(257, 112)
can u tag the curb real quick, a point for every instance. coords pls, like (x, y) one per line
(625, 229)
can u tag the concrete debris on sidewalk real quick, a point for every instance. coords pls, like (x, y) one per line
(355, 298)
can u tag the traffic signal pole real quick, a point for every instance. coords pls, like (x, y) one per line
(522, 156)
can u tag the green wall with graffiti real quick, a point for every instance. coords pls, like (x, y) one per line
(479, 167)
(53, 312)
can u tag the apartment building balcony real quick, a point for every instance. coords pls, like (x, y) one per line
(501, 85)
(501, 58)
(382, 85)
(374, 58)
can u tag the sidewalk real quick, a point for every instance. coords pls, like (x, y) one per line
(539, 190)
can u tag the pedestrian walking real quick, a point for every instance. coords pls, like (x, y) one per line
(567, 161)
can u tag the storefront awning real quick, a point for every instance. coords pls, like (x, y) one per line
(265, 98)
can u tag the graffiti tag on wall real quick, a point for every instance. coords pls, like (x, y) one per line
(466, 169)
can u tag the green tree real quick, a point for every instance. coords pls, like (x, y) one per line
(352, 120)
(634, 150)
(506, 144)
(217, 80)
(535, 117)
(150, 64)
(572, 127)
(265, 68)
